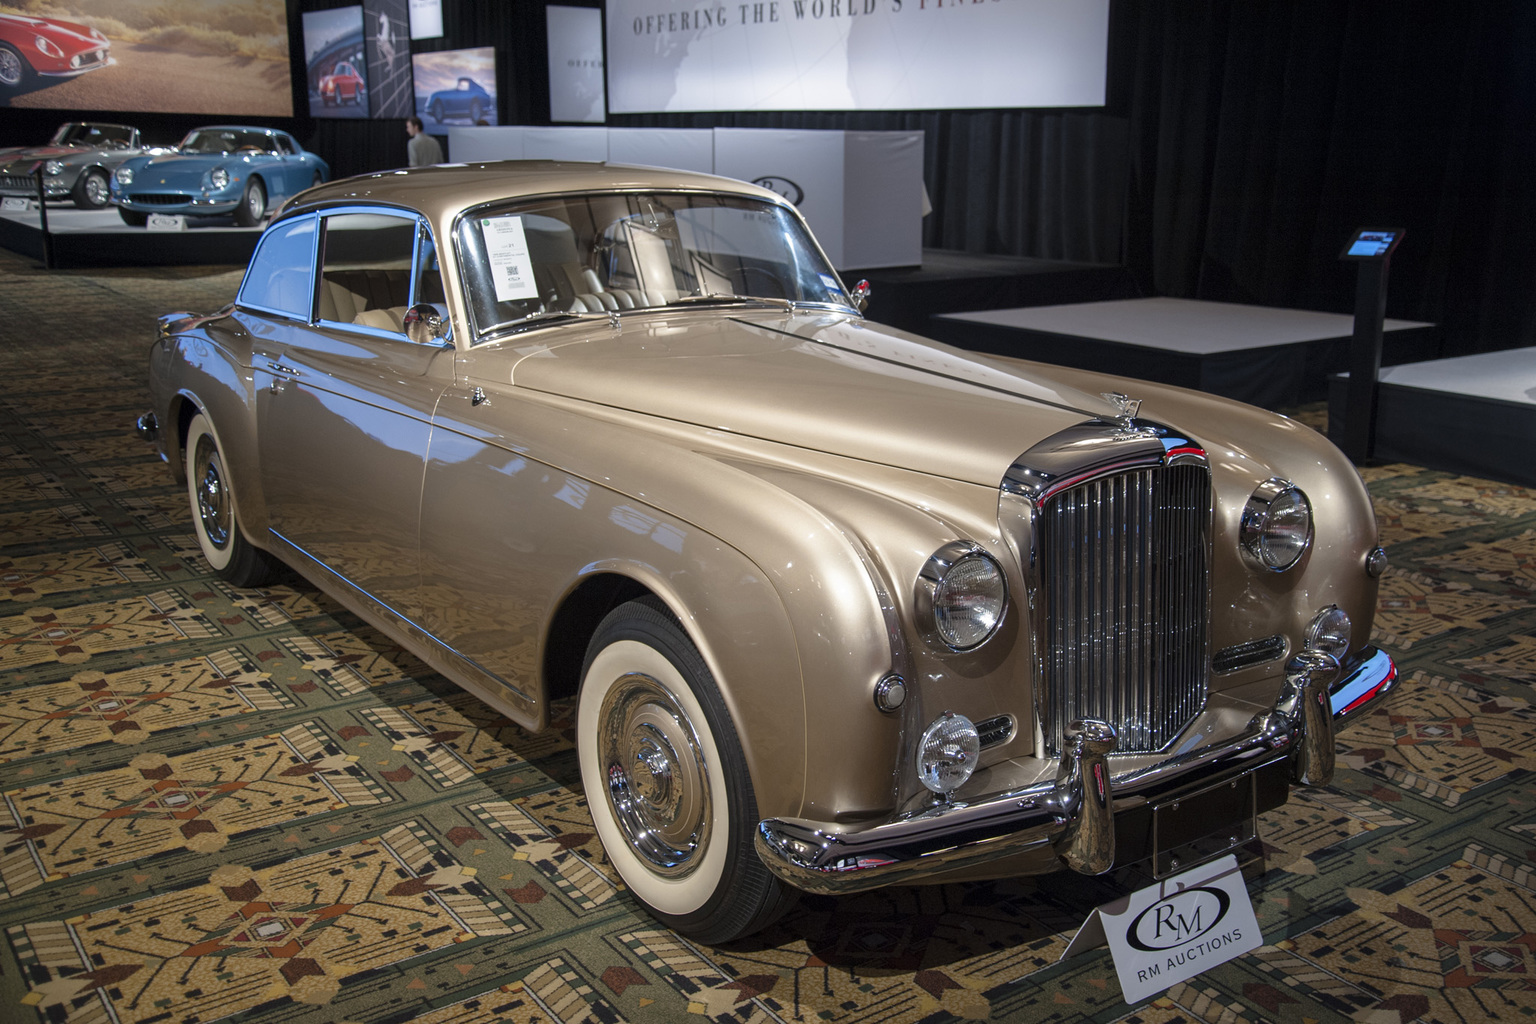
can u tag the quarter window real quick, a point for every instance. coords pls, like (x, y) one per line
(280, 278)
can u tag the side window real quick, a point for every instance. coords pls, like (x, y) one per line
(365, 275)
(429, 277)
(281, 278)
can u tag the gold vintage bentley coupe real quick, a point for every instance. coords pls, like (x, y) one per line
(839, 607)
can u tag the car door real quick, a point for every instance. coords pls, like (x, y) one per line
(345, 406)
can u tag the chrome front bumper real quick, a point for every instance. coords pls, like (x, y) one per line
(1075, 814)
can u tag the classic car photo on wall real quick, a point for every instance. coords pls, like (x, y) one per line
(77, 164)
(836, 607)
(35, 50)
(217, 171)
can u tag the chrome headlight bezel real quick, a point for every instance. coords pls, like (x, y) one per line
(123, 175)
(47, 47)
(53, 168)
(219, 178)
(1277, 526)
(952, 566)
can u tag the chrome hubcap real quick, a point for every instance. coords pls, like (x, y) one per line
(212, 496)
(10, 68)
(96, 190)
(658, 784)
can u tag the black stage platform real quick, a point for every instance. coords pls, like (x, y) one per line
(99, 238)
(951, 281)
(1257, 354)
(1470, 414)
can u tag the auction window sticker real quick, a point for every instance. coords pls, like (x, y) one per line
(506, 246)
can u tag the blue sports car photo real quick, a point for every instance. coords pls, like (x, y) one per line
(466, 99)
(216, 171)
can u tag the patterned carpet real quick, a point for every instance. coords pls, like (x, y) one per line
(247, 805)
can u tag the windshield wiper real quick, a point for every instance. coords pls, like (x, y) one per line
(724, 300)
(547, 316)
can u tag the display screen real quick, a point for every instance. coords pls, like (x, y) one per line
(335, 63)
(224, 57)
(1372, 243)
(575, 64)
(680, 55)
(455, 87)
(386, 39)
(426, 19)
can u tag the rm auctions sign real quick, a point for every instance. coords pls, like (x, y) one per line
(854, 54)
(1174, 930)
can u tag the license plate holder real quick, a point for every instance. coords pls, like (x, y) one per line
(1196, 826)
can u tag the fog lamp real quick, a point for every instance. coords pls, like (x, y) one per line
(1276, 527)
(1329, 632)
(1376, 562)
(947, 753)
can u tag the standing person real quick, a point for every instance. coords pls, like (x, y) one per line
(423, 148)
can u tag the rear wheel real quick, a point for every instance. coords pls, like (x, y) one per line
(437, 111)
(213, 512)
(666, 780)
(91, 191)
(253, 204)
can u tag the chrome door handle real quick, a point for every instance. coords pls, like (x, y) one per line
(277, 367)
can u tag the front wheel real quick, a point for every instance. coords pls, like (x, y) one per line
(666, 780)
(253, 204)
(213, 512)
(91, 191)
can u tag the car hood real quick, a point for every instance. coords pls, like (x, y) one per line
(177, 168)
(23, 159)
(827, 383)
(52, 28)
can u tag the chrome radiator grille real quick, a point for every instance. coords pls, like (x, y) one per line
(1124, 603)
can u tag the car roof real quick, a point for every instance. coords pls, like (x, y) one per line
(443, 190)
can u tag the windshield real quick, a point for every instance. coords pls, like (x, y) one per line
(92, 135)
(227, 140)
(612, 253)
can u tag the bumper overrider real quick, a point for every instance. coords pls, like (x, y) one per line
(1192, 806)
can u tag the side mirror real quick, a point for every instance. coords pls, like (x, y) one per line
(861, 295)
(425, 325)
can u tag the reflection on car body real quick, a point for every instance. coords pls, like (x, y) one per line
(839, 607)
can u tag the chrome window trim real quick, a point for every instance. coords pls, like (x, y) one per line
(314, 241)
(379, 209)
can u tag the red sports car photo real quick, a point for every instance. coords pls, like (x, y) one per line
(48, 48)
(342, 85)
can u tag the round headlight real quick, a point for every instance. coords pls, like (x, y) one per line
(218, 178)
(1329, 632)
(1277, 526)
(961, 596)
(124, 175)
(947, 753)
(48, 47)
(53, 168)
